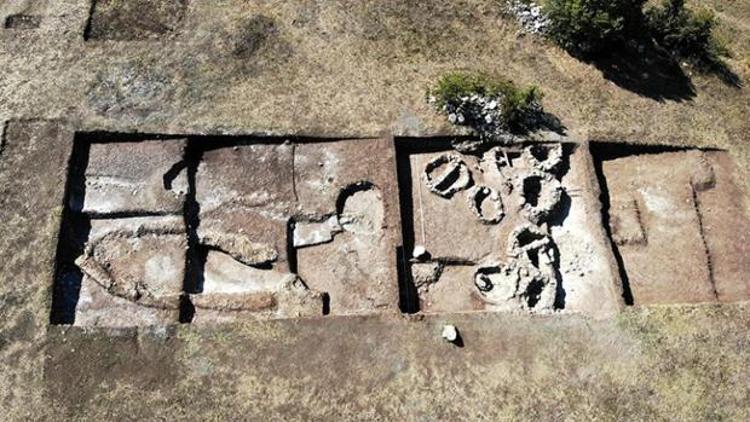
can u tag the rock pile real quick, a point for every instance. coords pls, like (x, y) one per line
(488, 117)
(530, 15)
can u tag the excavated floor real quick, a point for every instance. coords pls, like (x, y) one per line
(159, 230)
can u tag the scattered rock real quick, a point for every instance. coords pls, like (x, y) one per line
(530, 15)
(518, 285)
(489, 119)
(425, 274)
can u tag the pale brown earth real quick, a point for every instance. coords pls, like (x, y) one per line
(339, 69)
(676, 224)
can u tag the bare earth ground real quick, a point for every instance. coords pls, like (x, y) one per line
(356, 69)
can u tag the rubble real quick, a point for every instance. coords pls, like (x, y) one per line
(516, 286)
(425, 274)
(487, 116)
(530, 15)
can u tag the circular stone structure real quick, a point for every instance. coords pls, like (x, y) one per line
(486, 204)
(543, 157)
(497, 283)
(541, 194)
(446, 175)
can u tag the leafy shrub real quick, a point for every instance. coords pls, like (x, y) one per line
(586, 27)
(487, 103)
(686, 34)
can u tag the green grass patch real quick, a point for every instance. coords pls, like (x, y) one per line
(686, 33)
(516, 103)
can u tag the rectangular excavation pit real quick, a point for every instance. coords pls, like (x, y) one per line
(503, 228)
(160, 229)
(677, 221)
(165, 229)
(134, 20)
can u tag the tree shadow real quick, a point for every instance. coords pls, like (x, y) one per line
(719, 68)
(645, 70)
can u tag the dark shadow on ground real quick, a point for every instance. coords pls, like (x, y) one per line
(550, 122)
(720, 69)
(648, 70)
(645, 70)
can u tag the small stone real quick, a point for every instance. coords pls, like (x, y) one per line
(452, 117)
(450, 333)
(483, 284)
(420, 253)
